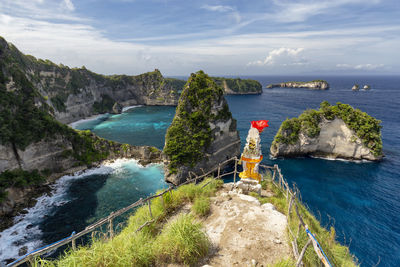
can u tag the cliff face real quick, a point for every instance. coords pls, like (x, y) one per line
(76, 93)
(54, 158)
(203, 132)
(335, 140)
(317, 84)
(331, 132)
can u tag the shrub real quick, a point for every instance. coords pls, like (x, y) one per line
(201, 206)
(182, 241)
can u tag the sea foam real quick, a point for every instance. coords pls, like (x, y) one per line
(25, 232)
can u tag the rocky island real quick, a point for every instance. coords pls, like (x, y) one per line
(315, 84)
(203, 132)
(237, 86)
(338, 131)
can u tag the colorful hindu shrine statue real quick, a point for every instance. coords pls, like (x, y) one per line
(252, 156)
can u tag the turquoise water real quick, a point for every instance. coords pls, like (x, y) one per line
(80, 200)
(140, 125)
(362, 200)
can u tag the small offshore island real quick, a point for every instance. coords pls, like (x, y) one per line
(38, 97)
(315, 84)
(331, 132)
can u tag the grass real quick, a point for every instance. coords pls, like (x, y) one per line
(337, 254)
(201, 206)
(180, 241)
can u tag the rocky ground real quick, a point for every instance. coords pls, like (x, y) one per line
(242, 231)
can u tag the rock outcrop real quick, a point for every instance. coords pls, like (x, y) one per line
(367, 87)
(316, 84)
(203, 132)
(239, 86)
(76, 93)
(57, 157)
(355, 87)
(332, 132)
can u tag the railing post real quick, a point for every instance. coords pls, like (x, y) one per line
(110, 227)
(162, 201)
(274, 175)
(234, 174)
(31, 263)
(219, 170)
(149, 203)
(73, 244)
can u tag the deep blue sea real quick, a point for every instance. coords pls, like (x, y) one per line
(360, 199)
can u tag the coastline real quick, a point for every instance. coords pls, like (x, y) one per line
(23, 227)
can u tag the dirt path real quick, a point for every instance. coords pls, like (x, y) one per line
(244, 232)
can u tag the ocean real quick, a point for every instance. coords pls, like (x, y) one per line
(360, 199)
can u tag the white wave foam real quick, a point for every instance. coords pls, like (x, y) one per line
(92, 118)
(25, 232)
(130, 107)
(345, 160)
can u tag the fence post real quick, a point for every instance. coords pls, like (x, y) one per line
(287, 192)
(110, 227)
(234, 173)
(162, 201)
(149, 203)
(219, 170)
(73, 244)
(31, 263)
(274, 174)
(298, 263)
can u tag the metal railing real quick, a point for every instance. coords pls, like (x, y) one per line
(277, 179)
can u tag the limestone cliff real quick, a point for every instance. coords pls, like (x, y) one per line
(203, 132)
(48, 160)
(316, 84)
(331, 132)
(76, 93)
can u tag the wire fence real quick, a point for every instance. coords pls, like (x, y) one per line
(277, 179)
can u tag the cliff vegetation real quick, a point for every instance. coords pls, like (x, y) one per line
(190, 134)
(238, 86)
(367, 128)
(159, 243)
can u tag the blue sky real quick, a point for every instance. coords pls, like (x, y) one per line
(260, 37)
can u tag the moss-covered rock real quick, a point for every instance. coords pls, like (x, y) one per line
(332, 131)
(203, 132)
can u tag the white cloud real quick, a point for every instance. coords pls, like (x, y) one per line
(218, 8)
(282, 56)
(361, 66)
(69, 5)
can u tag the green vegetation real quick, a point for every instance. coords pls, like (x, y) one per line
(177, 84)
(159, 243)
(190, 134)
(201, 206)
(105, 105)
(182, 241)
(238, 85)
(18, 178)
(337, 254)
(367, 128)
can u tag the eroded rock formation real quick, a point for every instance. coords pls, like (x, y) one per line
(203, 132)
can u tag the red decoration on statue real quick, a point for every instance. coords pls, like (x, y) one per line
(259, 125)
